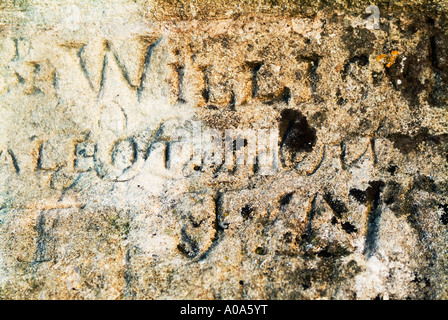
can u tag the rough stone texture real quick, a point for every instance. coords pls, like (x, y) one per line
(98, 202)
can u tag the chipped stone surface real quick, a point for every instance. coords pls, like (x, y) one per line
(103, 194)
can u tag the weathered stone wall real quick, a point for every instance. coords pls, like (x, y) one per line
(98, 200)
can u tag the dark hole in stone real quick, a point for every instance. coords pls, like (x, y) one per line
(324, 253)
(348, 227)
(373, 191)
(297, 135)
(286, 199)
(286, 96)
(334, 220)
(392, 169)
(197, 168)
(246, 212)
(444, 216)
(241, 282)
(260, 251)
(336, 205)
(413, 28)
(379, 297)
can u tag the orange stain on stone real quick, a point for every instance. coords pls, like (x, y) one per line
(389, 60)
